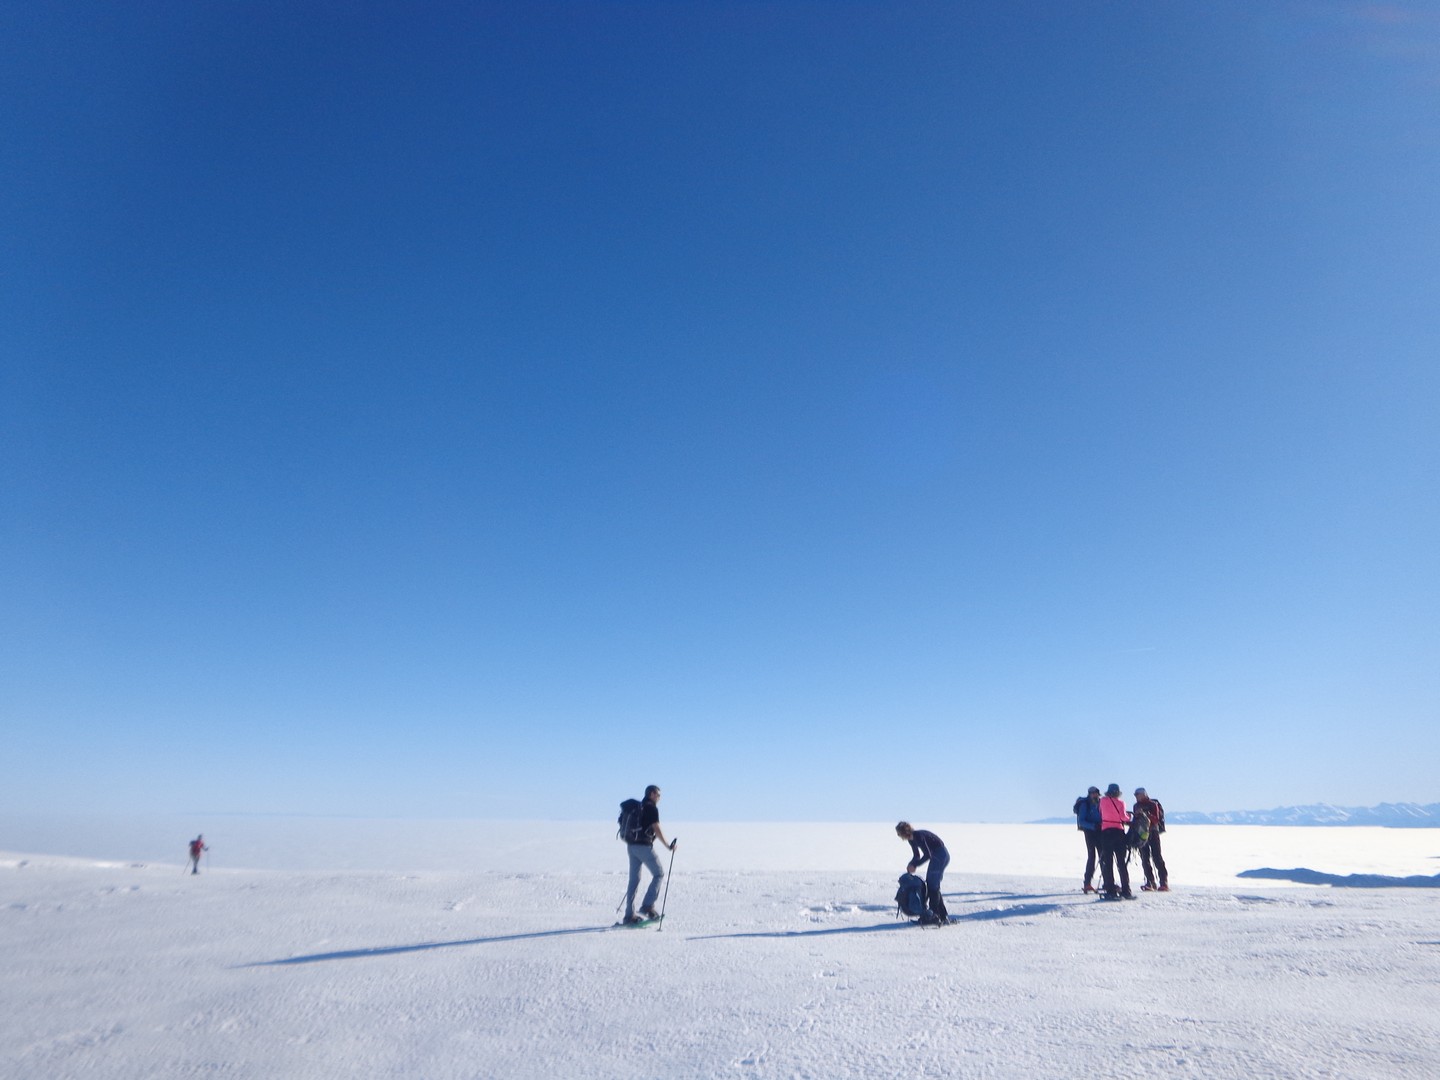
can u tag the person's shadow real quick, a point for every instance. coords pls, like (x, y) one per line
(395, 950)
(1020, 911)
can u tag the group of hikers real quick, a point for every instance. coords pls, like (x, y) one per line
(1110, 833)
(1110, 830)
(1113, 832)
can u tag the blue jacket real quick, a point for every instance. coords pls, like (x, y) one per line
(1087, 814)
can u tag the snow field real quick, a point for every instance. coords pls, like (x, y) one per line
(122, 970)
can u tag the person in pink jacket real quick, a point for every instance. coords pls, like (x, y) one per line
(1113, 819)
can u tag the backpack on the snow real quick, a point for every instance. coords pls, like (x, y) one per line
(631, 830)
(910, 897)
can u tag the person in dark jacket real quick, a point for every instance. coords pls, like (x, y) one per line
(1087, 820)
(1150, 849)
(642, 853)
(925, 847)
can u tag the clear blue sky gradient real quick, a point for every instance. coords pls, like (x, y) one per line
(826, 410)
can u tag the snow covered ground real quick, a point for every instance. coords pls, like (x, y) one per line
(460, 949)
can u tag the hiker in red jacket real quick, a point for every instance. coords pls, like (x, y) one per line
(1152, 809)
(197, 848)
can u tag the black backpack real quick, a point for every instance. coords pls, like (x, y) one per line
(910, 897)
(631, 830)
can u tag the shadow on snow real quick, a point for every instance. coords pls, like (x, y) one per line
(827, 932)
(1013, 895)
(394, 950)
(1019, 912)
(1357, 881)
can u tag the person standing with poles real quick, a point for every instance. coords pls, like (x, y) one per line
(197, 848)
(640, 829)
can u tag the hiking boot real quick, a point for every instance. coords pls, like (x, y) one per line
(650, 913)
(1112, 894)
(1147, 887)
(1088, 888)
(1127, 895)
(1163, 888)
(631, 920)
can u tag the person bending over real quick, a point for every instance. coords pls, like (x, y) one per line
(926, 847)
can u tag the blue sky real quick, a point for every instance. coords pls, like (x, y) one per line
(826, 411)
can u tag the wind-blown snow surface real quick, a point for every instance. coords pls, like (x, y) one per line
(780, 957)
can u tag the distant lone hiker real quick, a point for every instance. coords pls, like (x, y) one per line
(1087, 820)
(640, 835)
(197, 848)
(1113, 847)
(925, 847)
(1152, 810)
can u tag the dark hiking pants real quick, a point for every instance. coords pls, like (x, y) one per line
(933, 875)
(1151, 849)
(1114, 852)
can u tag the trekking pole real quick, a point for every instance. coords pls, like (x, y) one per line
(666, 898)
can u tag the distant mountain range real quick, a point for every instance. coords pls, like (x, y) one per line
(1389, 815)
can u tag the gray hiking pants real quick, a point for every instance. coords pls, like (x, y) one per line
(642, 855)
